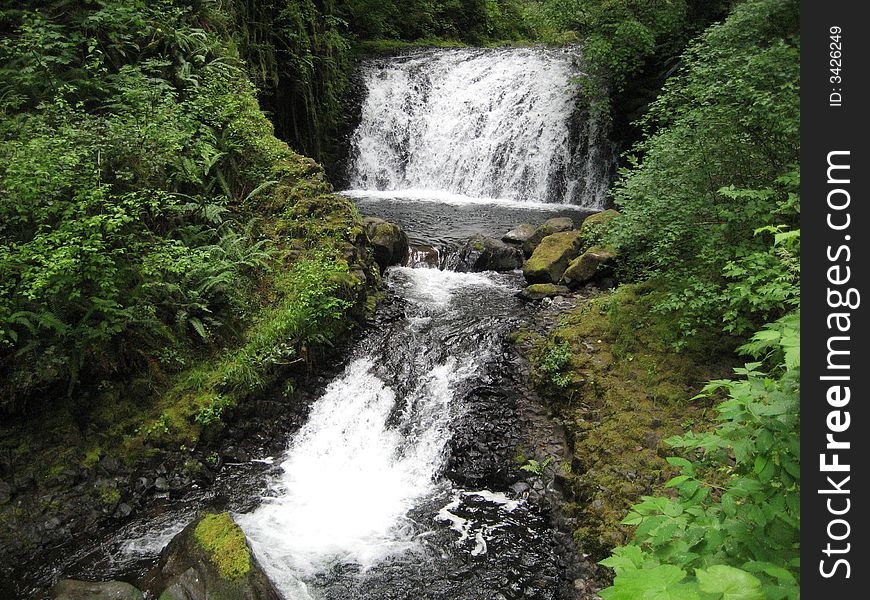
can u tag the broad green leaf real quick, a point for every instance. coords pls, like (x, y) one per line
(732, 583)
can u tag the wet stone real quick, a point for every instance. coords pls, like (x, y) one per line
(69, 589)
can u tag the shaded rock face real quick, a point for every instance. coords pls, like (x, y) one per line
(539, 291)
(69, 589)
(210, 558)
(488, 254)
(519, 234)
(592, 264)
(389, 242)
(550, 259)
(549, 227)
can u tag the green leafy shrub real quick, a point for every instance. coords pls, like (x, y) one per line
(716, 165)
(734, 527)
(140, 187)
(553, 364)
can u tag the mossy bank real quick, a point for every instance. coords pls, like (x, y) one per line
(610, 373)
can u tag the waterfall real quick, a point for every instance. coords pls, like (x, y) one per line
(376, 440)
(503, 124)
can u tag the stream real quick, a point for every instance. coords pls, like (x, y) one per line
(400, 479)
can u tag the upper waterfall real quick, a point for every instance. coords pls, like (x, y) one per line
(488, 123)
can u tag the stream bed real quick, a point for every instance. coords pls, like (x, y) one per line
(402, 480)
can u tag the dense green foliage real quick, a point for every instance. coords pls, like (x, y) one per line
(709, 207)
(300, 53)
(136, 171)
(299, 56)
(472, 21)
(630, 48)
(717, 164)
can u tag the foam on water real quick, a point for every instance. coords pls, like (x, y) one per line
(422, 195)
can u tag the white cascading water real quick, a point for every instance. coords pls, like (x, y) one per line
(355, 469)
(483, 123)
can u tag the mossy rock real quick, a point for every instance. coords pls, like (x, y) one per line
(539, 291)
(591, 265)
(211, 558)
(389, 242)
(225, 543)
(549, 227)
(593, 222)
(550, 259)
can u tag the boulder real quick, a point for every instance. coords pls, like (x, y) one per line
(592, 264)
(560, 223)
(519, 234)
(487, 254)
(596, 220)
(549, 227)
(539, 291)
(70, 589)
(423, 256)
(550, 259)
(389, 242)
(211, 558)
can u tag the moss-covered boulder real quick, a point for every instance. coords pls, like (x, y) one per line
(539, 291)
(550, 259)
(595, 221)
(487, 254)
(70, 589)
(549, 227)
(211, 558)
(592, 264)
(389, 242)
(519, 234)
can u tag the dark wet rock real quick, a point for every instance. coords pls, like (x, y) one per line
(550, 259)
(187, 586)
(549, 227)
(161, 484)
(519, 234)
(211, 558)
(123, 511)
(488, 254)
(389, 242)
(109, 466)
(520, 487)
(539, 291)
(591, 265)
(70, 589)
(422, 255)
(235, 454)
